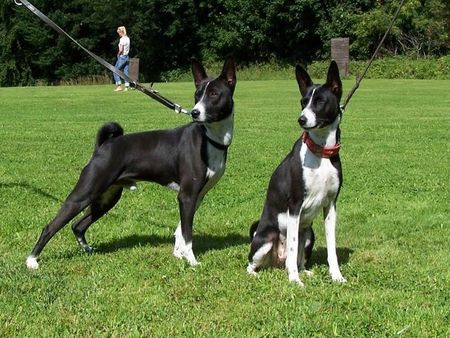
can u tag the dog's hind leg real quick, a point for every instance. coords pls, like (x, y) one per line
(89, 186)
(310, 240)
(96, 210)
(305, 248)
(67, 212)
(261, 247)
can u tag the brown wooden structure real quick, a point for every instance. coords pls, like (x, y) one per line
(340, 50)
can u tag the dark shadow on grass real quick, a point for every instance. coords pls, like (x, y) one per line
(319, 256)
(131, 242)
(202, 242)
(29, 187)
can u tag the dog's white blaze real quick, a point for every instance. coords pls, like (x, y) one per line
(311, 120)
(32, 263)
(200, 106)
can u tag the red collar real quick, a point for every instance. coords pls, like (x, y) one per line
(325, 152)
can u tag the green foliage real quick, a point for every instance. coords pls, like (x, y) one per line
(422, 29)
(392, 235)
(385, 68)
(395, 68)
(165, 35)
(404, 68)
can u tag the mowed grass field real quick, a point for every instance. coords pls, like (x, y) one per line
(393, 231)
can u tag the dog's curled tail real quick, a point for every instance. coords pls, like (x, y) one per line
(107, 131)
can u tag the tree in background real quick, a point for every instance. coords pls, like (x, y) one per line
(422, 29)
(165, 34)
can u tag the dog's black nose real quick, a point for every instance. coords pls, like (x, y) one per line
(195, 113)
(302, 120)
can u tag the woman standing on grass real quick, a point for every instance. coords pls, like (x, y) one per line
(122, 58)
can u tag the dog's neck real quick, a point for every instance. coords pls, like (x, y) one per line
(221, 131)
(327, 136)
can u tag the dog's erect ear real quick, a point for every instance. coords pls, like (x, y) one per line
(303, 79)
(229, 72)
(333, 80)
(198, 72)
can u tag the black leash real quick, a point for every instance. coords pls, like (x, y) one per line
(154, 94)
(359, 78)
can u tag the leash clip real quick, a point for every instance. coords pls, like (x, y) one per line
(177, 108)
(18, 3)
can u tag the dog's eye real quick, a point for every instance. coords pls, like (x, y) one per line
(319, 101)
(213, 93)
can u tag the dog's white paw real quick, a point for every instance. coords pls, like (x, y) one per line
(32, 263)
(251, 270)
(338, 278)
(297, 281)
(191, 260)
(308, 273)
(295, 278)
(177, 253)
(189, 256)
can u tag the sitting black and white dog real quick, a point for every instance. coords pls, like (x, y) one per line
(189, 159)
(307, 181)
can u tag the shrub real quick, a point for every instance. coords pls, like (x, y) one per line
(385, 68)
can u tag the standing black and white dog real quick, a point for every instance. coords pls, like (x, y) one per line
(307, 181)
(189, 159)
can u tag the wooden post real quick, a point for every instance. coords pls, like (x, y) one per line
(340, 49)
(133, 70)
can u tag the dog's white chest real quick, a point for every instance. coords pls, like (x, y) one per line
(321, 182)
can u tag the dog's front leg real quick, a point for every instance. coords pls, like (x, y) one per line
(183, 234)
(330, 234)
(179, 240)
(292, 239)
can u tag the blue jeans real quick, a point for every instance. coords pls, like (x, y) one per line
(121, 64)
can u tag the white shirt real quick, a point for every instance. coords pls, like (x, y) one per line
(125, 43)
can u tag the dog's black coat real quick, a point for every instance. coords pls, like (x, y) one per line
(291, 201)
(177, 157)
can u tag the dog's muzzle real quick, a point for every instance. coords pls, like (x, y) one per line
(307, 119)
(302, 120)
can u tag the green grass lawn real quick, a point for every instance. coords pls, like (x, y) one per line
(393, 232)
